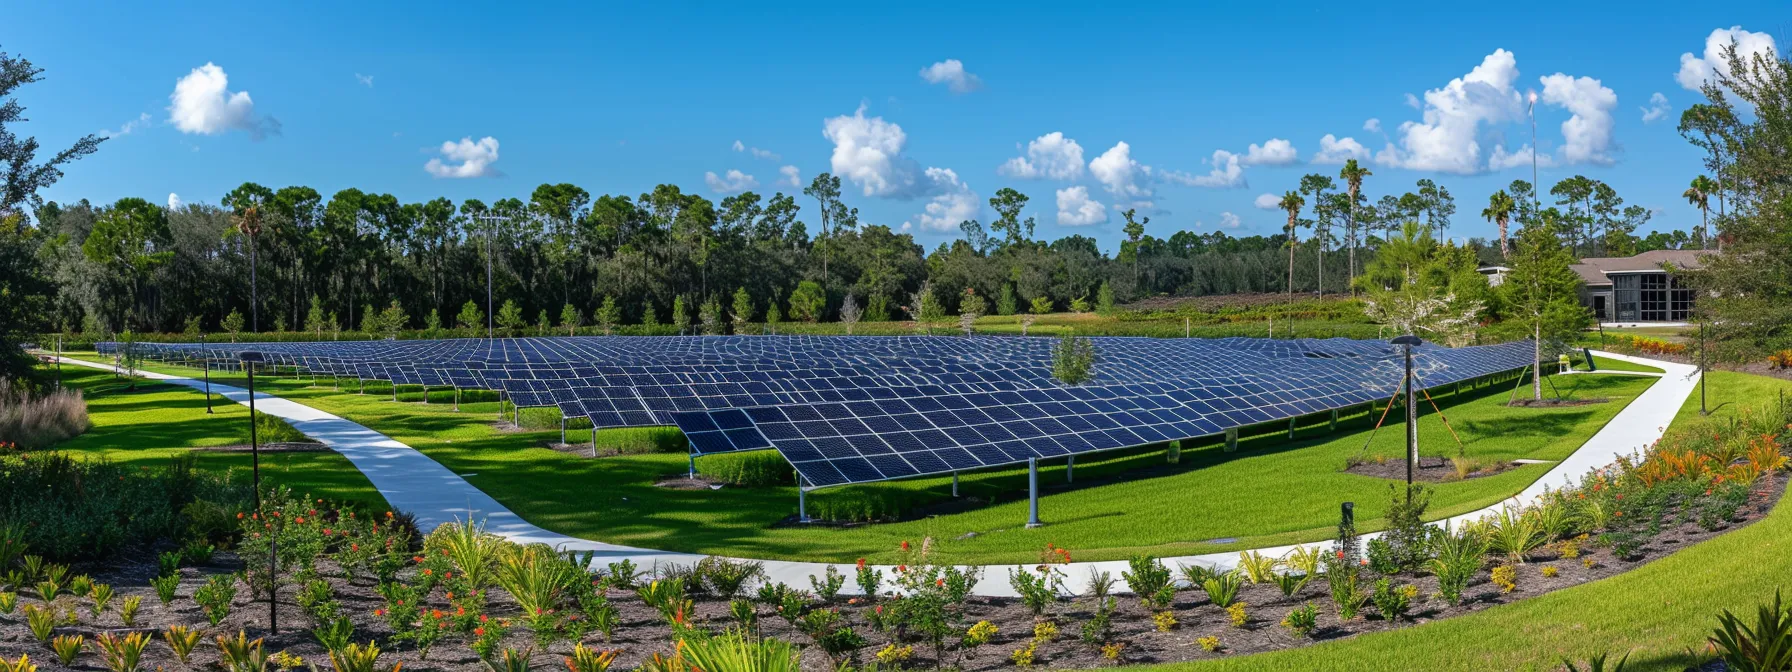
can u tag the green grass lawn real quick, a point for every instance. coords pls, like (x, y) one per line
(157, 421)
(1657, 612)
(1608, 364)
(1272, 491)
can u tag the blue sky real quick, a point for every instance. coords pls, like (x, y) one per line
(618, 99)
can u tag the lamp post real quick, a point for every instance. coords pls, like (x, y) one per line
(490, 227)
(206, 362)
(1407, 343)
(249, 358)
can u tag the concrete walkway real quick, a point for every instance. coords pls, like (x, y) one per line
(411, 481)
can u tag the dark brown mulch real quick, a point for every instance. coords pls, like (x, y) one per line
(1431, 470)
(642, 632)
(1556, 403)
(686, 482)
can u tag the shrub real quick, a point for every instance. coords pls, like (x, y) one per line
(215, 597)
(127, 611)
(1506, 577)
(588, 660)
(1408, 538)
(1256, 567)
(1393, 602)
(92, 509)
(1235, 614)
(980, 633)
(1222, 589)
(1515, 533)
(41, 620)
(1302, 620)
(121, 654)
(1164, 620)
(181, 639)
(1457, 559)
(1765, 646)
(1209, 644)
(1099, 628)
(40, 421)
(828, 586)
(1146, 577)
(726, 578)
(8, 601)
(67, 648)
(165, 587)
(241, 654)
(1291, 583)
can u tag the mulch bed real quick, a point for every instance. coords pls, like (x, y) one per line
(1431, 470)
(1556, 403)
(642, 632)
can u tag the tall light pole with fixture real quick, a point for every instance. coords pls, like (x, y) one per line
(249, 359)
(1407, 343)
(1536, 204)
(490, 227)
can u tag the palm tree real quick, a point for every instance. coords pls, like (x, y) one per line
(1499, 211)
(1353, 179)
(1699, 194)
(248, 223)
(1292, 202)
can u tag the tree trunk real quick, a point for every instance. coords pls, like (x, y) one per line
(1505, 247)
(1537, 354)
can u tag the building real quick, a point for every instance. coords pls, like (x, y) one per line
(1638, 288)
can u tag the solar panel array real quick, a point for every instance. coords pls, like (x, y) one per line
(854, 409)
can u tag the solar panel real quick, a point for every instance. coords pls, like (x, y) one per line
(854, 409)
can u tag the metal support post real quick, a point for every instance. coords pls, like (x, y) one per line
(1033, 493)
(1232, 440)
(954, 484)
(1070, 469)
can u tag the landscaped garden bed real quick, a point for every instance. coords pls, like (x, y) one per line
(459, 597)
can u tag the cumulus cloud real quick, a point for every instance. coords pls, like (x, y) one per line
(953, 201)
(731, 182)
(790, 177)
(1373, 125)
(1587, 134)
(1049, 156)
(868, 152)
(1521, 157)
(1658, 107)
(1229, 221)
(141, 122)
(1275, 152)
(1335, 150)
(365, 80)
(756, 152)
(1226, 173)
(951, 72)
(174, 201)
(1120, 174)
(203, 103)
(1695, 71)
(1075, 208)
(1267, 202)
(465, 158)
(1446, 139)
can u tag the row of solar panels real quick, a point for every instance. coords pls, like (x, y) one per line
(859, 409)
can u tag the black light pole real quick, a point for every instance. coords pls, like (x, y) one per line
(1408, 342)
(58, 362)
(249, 359)
(490, 228)
(1702, 376)
(206, 362)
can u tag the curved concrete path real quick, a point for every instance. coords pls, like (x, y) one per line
(411, 481)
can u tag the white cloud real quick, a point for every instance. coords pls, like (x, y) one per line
(1268, 202)
(1695, 71)
(1412, 101)
(1226, 173)
(1587, 134)
(142, 121)
(790, 177)
(1446, 139)
(1373, 125)
(203, 103)
(1119, 174)
(365, 80)
(1520, 158)
(756, 152)
(474, 159)
(951, 72)
(908, 226)
(1049, 156)
(1075, 208)
(732, 182)
(953, 201)
(1275, 152)
(1229, 221)
(173, 201)
(868, 152)
(1658, 107)
(1335, 150)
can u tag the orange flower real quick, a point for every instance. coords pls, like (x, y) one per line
(239, 515)
(435, 613)
(480, 631)
(905, 544)
(483, 618)
(861, 563)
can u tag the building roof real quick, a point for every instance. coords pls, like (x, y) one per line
(1594, 270)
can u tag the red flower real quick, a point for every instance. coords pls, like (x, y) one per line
(379, 612)
(435, 613)
(861, 563)
(1340, 555)
(479, 631)
(354, 547)
(427, 572)
(300, 520)
(940, 582)
(902, 568)
(483, 618)
(239, 515)
(905, 544)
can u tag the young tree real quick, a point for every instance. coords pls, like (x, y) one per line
(1104, 299)
(332, 325)
(232, 324)
(1040, 305)
(743, 313)
(711, 315)
(681, 318)
(510, 318)
(543, 325)
(849, 312)
(775, 315)
(393, 320)
(808, 301)
(970, 307)
(1073, 359)
(1006, 303)
(1540, 291)
(314, 318)
(1008, 204)
(650, 319)
(370, 320)
(1135, 235)
(192, 329)
(571, 319)
(608, 315)
(471, 317)
(432, 324)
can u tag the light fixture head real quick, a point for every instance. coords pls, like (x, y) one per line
(1408, 339)
(250, 356)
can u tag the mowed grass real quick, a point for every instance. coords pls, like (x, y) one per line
(1656, 613)
(1271, 491)
(152, 424)
(1608, 364)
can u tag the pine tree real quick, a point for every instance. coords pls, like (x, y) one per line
(681, 317)
(743, 310)
(570, 318)
(1541, 294)
(608, 315)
